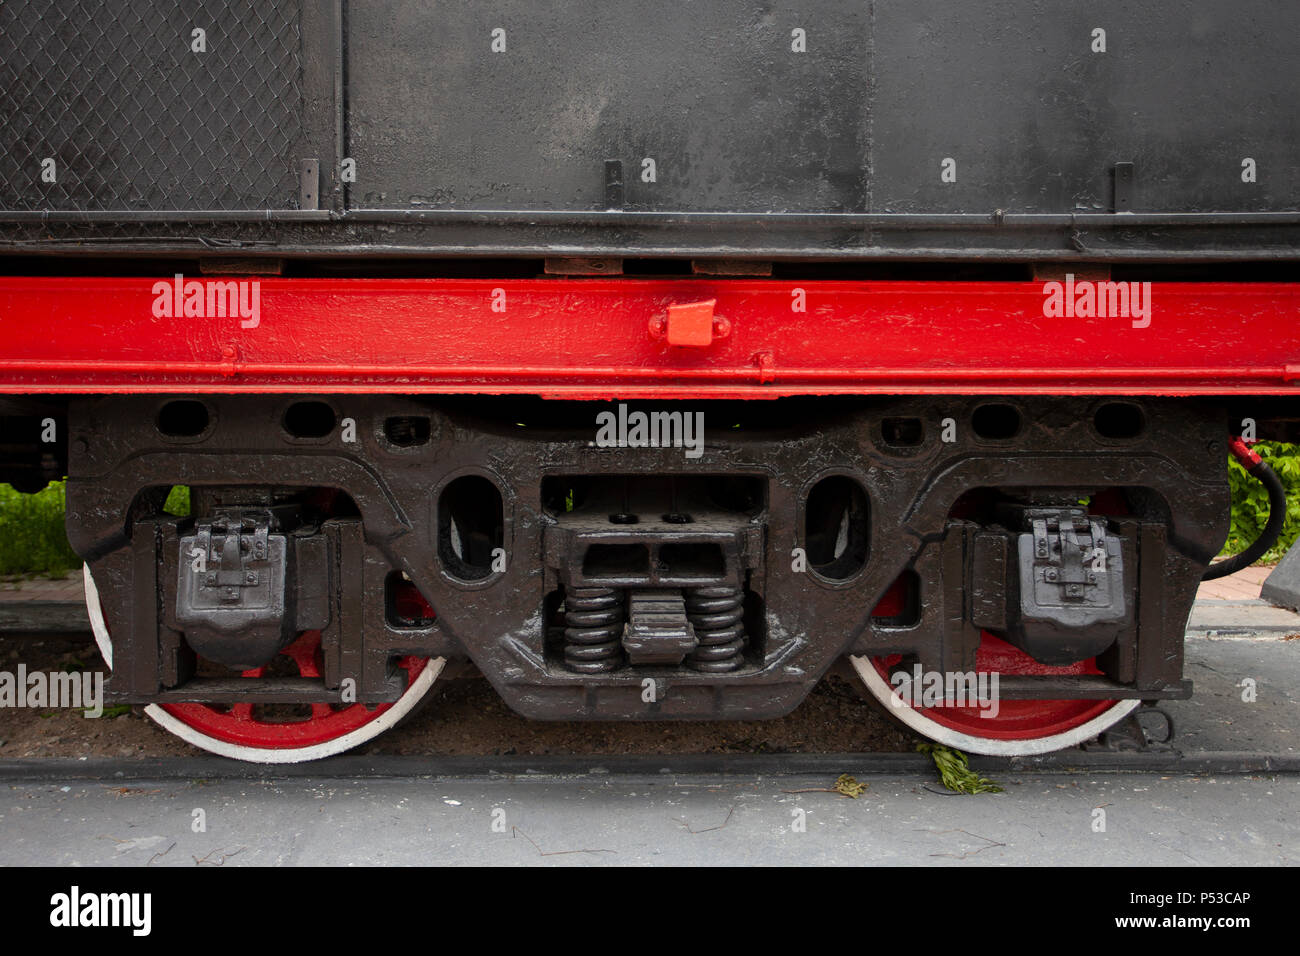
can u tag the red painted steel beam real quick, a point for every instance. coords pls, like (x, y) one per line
(606, 337)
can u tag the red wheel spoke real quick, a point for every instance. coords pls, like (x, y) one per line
(1015, 719)
(236, 730)
(238, 724)
(303, 653)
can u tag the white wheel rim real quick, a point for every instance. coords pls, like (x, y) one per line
(96, 615)
(329, 748)
(929, 727)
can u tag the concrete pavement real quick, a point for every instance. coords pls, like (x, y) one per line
(1040, 819)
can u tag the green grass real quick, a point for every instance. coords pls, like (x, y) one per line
(32, 537)
(955, 772)
(1250, 500)
(178, 501)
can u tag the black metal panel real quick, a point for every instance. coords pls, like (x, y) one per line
(135, 119)
(761, 148)
(1036, 120)
(736, 120)
(733, 118)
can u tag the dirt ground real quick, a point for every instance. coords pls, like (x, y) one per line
(460, 717)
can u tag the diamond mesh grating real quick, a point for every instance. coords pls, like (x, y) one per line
(135, 120)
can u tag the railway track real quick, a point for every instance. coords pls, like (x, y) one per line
(697, 769)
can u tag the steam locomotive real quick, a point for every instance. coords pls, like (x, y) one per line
(652, 361)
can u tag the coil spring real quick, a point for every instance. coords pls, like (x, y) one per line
(593, 631)
(715, 613)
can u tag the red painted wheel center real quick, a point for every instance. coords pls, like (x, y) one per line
(1015, 719)
(266, 726)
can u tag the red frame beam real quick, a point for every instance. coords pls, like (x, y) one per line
(603, 338)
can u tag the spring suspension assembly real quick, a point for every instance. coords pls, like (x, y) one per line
(716, 613)
(593, 629)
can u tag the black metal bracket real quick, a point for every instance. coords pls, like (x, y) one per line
(1133, 735)
(1123, 187)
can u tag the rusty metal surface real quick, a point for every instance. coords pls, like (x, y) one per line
(921, 503)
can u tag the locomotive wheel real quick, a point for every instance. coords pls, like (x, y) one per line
(240, 732)
(1021, 727)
